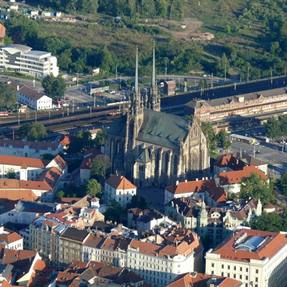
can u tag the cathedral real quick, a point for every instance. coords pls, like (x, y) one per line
(153, 148)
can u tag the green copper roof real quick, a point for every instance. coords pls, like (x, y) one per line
(163, 129)
(158, 128)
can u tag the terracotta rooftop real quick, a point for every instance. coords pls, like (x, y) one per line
(11, 256)
(270, 245)
(196, 186)
(120, 182)
(230, 161)
(203, 280)
(233, 177)
(15, 194)
(9, 237)
(22, 161)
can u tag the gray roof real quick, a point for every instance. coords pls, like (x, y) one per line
(75, 234)
(163, 129)
(158, 128)
(31, 93)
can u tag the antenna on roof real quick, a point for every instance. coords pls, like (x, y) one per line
(153, 66)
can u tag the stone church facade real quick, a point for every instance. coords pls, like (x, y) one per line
(151, 147)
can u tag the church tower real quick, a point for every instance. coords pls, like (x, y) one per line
(154, 96)
(135, 115)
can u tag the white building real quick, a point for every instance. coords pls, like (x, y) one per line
(157, 263)
(231, 180)
(27, 168)
(10, 239)
(23, 59)
(257, 258)
(33, 99)
(120, 189)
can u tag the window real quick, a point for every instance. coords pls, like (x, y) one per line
(212, 264)
(256, 271)
(246, 277)
(234, 268)
(228, 267)
(240, 268)
(222, 266)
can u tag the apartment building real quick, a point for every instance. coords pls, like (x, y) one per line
(23, 59)
(256, 258)
(71, 241)
(33, 99)
(158, 259)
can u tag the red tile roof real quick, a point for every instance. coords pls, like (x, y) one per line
(230, 161)
(9, 238)
(16, 194)
(233, 177)
(202, 280)
(270, 247)
(22, 161)
(120, 182)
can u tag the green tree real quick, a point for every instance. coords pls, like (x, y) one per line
(100, 166)
(54, 87)
(283, 183)
(222, 140)
(60, 194)
(33, 131)
(100, 138)
(93, 188)
(115, 213)
(81, 141)
(208, 131)
(270, 222)
(7, 96)
(257, 188)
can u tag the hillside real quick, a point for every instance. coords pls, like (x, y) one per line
(250, 37)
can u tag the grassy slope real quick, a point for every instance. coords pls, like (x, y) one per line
(215, 16)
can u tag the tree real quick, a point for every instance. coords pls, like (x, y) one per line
(208, 131)
(100, 166)
(257, 188)
(115, 213)
(93, 188)
(270, 222)
(283, 183)
(80, 141)
(100, 139)
(7, 96)
(60, 194)
(54, 87)
(222, 140)
(33, 131)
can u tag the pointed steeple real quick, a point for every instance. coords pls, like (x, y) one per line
(154, 94)
(137, 73)
(136, 97)
(153, 67)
